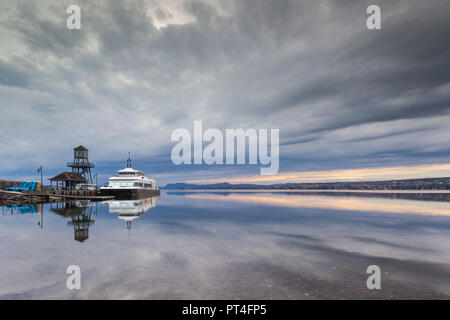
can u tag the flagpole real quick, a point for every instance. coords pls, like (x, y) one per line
(40, 170)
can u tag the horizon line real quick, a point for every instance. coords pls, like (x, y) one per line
(340, 175)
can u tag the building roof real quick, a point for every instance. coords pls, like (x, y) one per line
(68, 212)
(129, 170)
(80, 148)
(68, 176)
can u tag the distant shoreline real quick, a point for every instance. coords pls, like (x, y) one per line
(420, 195)
(314, 190)
(417, 185)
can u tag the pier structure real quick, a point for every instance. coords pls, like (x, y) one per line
(81, 164)
(66, 182)
(45, 196)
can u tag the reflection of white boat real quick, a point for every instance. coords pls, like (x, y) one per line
(129, 210)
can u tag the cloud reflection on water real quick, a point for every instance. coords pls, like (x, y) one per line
(247, 246)
(325, 202)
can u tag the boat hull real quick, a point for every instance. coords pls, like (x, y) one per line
(125, 194)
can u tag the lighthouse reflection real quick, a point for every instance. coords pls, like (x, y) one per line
(129, 210)
(80, 212)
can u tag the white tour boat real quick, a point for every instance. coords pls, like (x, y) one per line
(130, 184)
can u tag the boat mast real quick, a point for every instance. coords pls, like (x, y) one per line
(129, 161)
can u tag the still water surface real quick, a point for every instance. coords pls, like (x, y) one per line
(221, 245)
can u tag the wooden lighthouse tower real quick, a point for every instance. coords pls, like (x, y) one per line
(81, 163)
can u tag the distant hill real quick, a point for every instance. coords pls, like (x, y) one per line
(196, 186)
(405, 184)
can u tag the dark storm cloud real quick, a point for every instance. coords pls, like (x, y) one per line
(139, 69)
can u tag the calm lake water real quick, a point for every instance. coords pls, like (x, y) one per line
(219, 245)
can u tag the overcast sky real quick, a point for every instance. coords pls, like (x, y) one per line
(342, 96)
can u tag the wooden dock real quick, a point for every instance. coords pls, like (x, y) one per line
(33, 197)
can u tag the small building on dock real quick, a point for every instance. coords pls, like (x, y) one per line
(67, 180)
